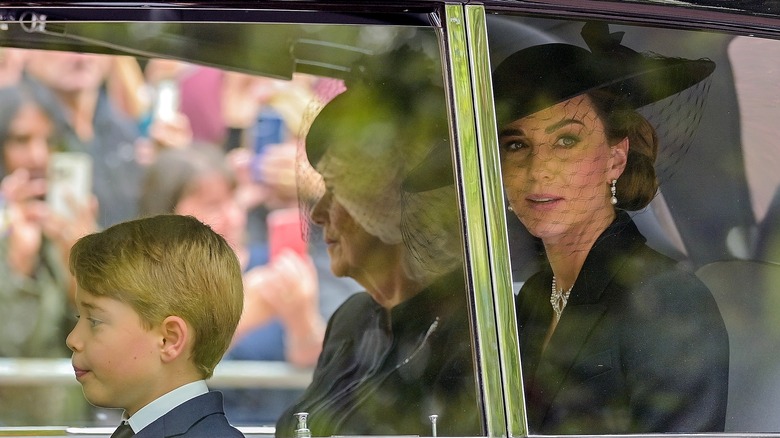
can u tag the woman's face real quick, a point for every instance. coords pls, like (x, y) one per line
(557, 166)
(211, 199)
(350, 246)
(27, 144)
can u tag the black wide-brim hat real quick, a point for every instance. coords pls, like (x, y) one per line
(540, 76)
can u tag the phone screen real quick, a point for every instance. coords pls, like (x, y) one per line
(68, 181)
(269, 129)
(285, 232)
(167, 103)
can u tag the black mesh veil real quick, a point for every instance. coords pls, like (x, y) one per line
(669, 93)
(676, 119)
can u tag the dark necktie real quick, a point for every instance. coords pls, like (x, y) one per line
(123, 431)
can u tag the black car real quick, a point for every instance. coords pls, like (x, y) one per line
(716, 214)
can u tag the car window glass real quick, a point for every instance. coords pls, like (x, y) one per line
(712, 218)
(214, 120)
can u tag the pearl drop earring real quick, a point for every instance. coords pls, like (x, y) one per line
(613, 189)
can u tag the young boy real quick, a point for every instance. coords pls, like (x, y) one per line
(158, 299)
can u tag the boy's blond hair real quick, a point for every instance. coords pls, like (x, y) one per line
(167, 265)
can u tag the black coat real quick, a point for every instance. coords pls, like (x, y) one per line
(641, 346)
(384, 372)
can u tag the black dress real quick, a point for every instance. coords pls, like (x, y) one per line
(383, 372)
(641, 346)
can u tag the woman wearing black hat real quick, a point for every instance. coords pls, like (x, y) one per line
(400, 352)
(614, 336)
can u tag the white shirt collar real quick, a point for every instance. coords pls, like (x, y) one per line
(165, 403)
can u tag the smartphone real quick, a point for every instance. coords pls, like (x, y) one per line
(285, 231)
(68, 180)
(269, 129)
(167, 100)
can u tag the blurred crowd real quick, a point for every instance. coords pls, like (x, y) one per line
(159, 136)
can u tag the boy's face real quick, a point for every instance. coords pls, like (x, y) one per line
(116, 359)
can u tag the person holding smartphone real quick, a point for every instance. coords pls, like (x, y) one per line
(36, 290)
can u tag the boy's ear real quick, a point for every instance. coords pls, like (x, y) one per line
(175, 334)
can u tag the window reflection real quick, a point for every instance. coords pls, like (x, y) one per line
(398, 356)
(225, 145)
(747, 288)
(694, 227)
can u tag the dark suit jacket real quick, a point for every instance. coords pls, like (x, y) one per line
(640, 347)
(200, 417)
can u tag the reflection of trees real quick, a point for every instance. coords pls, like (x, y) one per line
(392, 123)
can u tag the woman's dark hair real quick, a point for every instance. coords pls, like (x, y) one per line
(12, 99)
(638, 184)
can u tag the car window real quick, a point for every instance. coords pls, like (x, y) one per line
(207, 111)
(322, 152)
(600, 370)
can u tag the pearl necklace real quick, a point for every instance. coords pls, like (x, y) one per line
(558, 299)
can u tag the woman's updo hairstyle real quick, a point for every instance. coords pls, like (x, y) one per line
(638, 184)
(619, 81)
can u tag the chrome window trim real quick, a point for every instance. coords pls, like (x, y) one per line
(497, 239)
(465, 33)
(467, 170)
